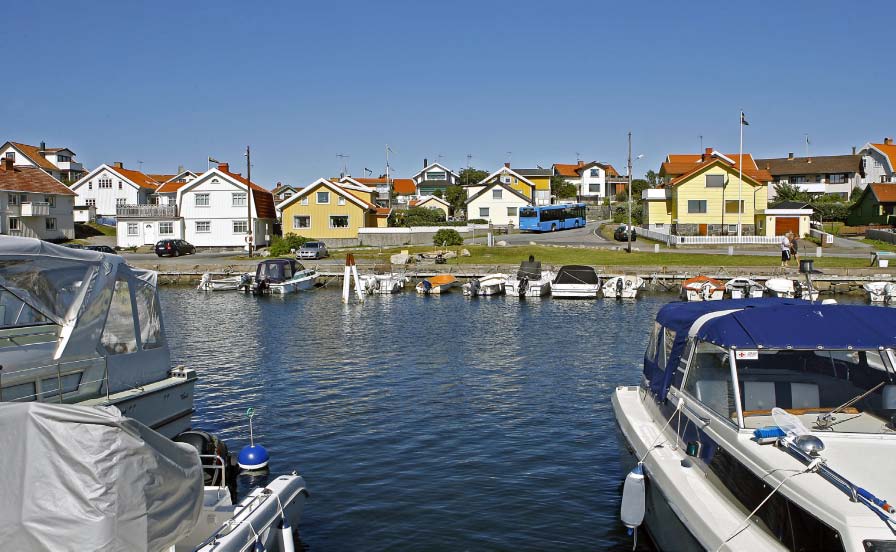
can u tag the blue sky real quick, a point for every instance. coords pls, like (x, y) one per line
(170, 83)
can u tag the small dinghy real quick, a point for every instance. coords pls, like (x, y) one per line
(880, 292)
(382, 284)
(622, 287)
(490, 284)
(576, 282)
(530, 280)
(438, 284)
(790, 289)
(702, 288)
(228, 283)
(744, 288)
(282, 276)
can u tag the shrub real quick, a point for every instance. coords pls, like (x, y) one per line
(416, 216)
(447, 236)
(620, 213)
(283, 246)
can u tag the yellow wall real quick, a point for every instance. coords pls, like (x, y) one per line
(541, 182)
(515, 183)
(433, 204)
(755, 199)
(320, 216)
(768, 225)
(658, 211)
(363, 196)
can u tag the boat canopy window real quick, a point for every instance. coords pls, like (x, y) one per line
(652, 344)
(15, 313)
(118, 335)
(575, 274)
(45, 286)
(275, 272)
(807, 383)
(709, 380)
(530, 269)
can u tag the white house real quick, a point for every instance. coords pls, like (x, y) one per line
(108, 188)
(434, 176)
(166, 193)
(211, 210)
(33, 204)
(431, 202)
(590, 179)
(57, 162)
(496, 202)
(879, 162)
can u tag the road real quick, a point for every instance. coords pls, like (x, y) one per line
(586, 236)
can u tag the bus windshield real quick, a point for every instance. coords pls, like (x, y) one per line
(528, 212)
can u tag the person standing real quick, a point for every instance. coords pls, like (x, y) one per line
(795, 249)
(785, 250)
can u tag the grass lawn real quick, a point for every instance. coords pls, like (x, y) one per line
(512, 255)
(880, 245)
(93, 229)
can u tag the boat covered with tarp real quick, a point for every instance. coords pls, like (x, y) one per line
(576, 281)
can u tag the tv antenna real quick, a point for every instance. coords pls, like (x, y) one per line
(344, 157)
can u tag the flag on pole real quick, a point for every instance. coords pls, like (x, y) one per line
(213, 160)
(368, 171)
(743, 119)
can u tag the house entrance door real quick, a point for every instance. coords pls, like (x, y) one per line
(149, 234)
(703, 230)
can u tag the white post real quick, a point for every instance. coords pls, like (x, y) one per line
(656, 248)
(740, 174)
(730, 250)
(358, 291)
(818, 251)
(346, 282)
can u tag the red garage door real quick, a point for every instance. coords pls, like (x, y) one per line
(787, 224)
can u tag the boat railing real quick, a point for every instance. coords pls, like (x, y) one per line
(38, 376)
(218, 463)
(239, 517)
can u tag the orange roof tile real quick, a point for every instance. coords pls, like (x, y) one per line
(573, 170)
(885, 193)
(33, 153)
(681, 166)
(889, 150)
(262, 198)
(404, 186)
(161, 177)
(137, 177)
(566, 170)
(30, 179)
(170, 187)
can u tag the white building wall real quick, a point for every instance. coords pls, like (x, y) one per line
(220, 214)
(596, 182)
(107, 198)
(134, 232)
(20, 160)
(36, 227)
(497, 213)
(875, 167)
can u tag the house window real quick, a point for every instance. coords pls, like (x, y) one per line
(483, 212)
(323, 198)
(13, 223)
(51, 200)
(731, 206)
(696, 206)
(119, 185)
(299, 221)
(50, 223)
(203, 226)
(594, 188)
(339, 221)
(436, 175)
(715, 181)
(119, 201)
(166, 228)
(732, 229)
(798, 180)
(90, 202)
(241, 227)
(202, 200)
(105, 182)
(496, 194)
(63, 158)
(303, 201)
(595, 173)
(505, 179)
(239, 199)
(133, 229)
(90, 185)
(13, 199)
(11, 155)
(511, 211)
(340, 201)
(837, 178)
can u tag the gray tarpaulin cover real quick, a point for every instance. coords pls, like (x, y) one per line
(87, 478)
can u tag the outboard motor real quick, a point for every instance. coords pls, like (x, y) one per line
(524, 286)
(475, 285)
(706, 291)
(245, 282)
(620, 284)
(889, 292)
(427, 286)
(209, 445)
(260, 287)
(798, 290)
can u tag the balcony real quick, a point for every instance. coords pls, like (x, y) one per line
(35, 209)
(70, 166)
(146, 211)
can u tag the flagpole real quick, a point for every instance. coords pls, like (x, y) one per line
(740, 173)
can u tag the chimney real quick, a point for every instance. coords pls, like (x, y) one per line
(7, 164)
(224, 167)
(507, 165)
(581, 163)
(118, 165)
(425, 162)
(43, 149)
(790, 156)
(888, 141)
(853, 150)
(180, 169)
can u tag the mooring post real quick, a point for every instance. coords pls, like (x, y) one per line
(347, 277)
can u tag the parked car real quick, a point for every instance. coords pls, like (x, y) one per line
(73, 245)
(102, 249)
(313, 250)
(174, 248)
(621, 233)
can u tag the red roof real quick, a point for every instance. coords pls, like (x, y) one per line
(262, 198)
(170, 187)
(141, 179)
(567, 170)
(573, 171)
(33, 153)
(30, 179)
(889, 150)
(681, 166)
(885, 193)
(404, 186)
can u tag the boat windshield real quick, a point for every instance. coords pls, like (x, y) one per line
(274, 272)
(806, 383)
(14, 312)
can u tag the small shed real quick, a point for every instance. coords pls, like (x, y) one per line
(783, 217)
(85, 213)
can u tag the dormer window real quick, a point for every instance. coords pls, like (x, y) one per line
(11, 155)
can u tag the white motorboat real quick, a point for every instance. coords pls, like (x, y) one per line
(383, 284)
(490, 284)
(880, 292)
(744, 288)
(437, 285)
(790, 289)
(83, 327)
(702, 288)
(576, 282)
(622, 287)
(763, 425)
(283, 276)
(228, 283)
(157, 494)
(530, 280)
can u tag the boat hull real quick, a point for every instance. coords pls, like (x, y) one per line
(878, 292)
(628, 290)
(377, 284)
(690, 294)
(294, 286)
(737, 293)
(575, 291)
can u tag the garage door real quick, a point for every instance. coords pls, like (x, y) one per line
(787, 224)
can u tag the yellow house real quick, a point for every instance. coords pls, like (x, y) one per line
(329, 210)
(702, 195)
(535, 184)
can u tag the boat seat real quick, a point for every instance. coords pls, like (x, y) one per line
(714, 394)
(804, 395)
(759, 395)
(765, 395)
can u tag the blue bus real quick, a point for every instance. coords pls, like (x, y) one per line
(547, 218)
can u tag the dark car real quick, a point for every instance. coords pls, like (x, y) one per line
(102, 249)
(174, 248)
(621, 233)
(73, 245)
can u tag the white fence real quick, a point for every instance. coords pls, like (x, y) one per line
(823, 236)
(669, 239)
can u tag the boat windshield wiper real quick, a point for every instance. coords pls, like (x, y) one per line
(826, 420)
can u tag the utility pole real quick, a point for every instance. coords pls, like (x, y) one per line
(249, 235)
(628, 232)
(388, 179)
(469, 157)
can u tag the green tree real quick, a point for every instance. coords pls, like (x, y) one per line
(447, 237)
(438, 193)
(638, 186)
(456, 196)
(652, 178)
(470, 176)
(561, 189)
(790, 192)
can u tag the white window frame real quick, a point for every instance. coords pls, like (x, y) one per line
(483, 212)
(347, 221)
(340, 201)
(240, 223)
(208, 228)
(512, 211)
(317, 197)
(14, 224)
(239, 199)
(166, 225)
(497, 193)
(133, 229)
(295, 222)
(208, 200)
(90, 202)
(12, 199)
(121, 201)
(51, 200)
(303, 201)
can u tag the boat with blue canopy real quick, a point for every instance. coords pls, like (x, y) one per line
(763, 424)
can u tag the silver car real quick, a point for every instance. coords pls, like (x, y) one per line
(313, 250)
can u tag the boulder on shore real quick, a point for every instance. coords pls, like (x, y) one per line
(501, 243)
(400, 259)
(465, 253)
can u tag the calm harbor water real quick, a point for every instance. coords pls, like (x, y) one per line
(424, 422)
